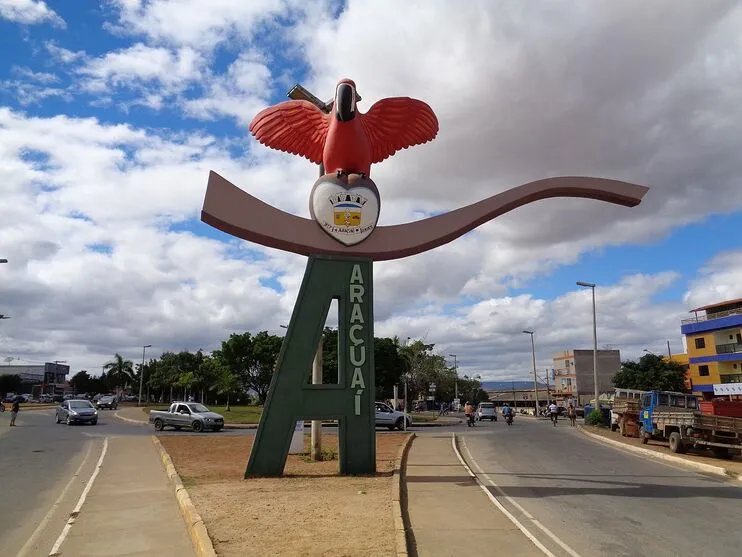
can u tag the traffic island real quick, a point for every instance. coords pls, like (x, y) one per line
(311, 510)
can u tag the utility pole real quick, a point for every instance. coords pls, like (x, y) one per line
(141, 374)
(669, 353)
(456, 378)
(535, 382)
(591, 286)
(316, 432)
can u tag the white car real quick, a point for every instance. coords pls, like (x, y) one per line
(387, 417)
(486, 411)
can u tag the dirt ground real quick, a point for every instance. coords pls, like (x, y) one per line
(311, 511)
(733, 464)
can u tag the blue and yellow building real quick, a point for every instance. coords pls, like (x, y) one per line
(714, 342)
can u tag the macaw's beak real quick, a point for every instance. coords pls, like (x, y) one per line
(345, 102)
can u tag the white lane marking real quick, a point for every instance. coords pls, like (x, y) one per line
(47, 517)
(513, 502)
(494, 500)
(76, 511)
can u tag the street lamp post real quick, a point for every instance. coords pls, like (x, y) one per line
(456, 378)
(535, 384)
(591, 286)
(141, 373)
(316, 428)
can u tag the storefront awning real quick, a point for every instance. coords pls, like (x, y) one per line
(728, 389)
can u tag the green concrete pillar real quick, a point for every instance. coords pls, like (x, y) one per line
(351, 401)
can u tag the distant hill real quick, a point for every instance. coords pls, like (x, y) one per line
(497, 385)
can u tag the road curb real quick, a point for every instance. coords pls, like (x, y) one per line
(400, 532)
(120, 417)
(195, 524)
(700, 466)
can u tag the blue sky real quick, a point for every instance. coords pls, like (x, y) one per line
(694, 200)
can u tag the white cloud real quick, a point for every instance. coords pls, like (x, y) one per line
(202, 24)
(29, 12)
(141, 66)
(240, 92)
(62, 54)
(720, 279)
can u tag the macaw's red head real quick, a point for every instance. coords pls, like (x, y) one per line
(346, 98)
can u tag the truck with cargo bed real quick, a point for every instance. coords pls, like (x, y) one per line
(191, 415)
(675, 417)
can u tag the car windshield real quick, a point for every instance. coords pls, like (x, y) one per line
(198, 408)
(80, 404)
(106, 398)
(486, 405)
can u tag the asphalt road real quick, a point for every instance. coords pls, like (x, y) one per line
(582, 498)
(38, 459)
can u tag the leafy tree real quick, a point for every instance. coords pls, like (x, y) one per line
(252, 359)
(390, 365)
(81, 382)
(651, 372)
(10, 384)
(225, 383)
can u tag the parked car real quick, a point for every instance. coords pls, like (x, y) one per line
(107, 401)
(486, 411)
(388, 417)
(192, 415)
(76, 411)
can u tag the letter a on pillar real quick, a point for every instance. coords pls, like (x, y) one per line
(351, 402)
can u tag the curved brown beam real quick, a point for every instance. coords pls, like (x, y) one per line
(238, 213)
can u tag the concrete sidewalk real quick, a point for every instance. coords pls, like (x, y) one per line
(131, 508)
(449, 513)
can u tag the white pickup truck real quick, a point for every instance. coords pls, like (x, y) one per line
(192, 415)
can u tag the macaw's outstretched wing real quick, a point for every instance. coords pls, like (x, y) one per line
(297, 127)
(397, 123)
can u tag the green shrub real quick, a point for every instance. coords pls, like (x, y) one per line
(594, 418)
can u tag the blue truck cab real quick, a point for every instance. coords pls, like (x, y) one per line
(667, 400)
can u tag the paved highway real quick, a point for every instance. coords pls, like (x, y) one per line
(582, 498)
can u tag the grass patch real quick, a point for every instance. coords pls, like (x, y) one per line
(236, 414)
(423, 417)
(325, 455)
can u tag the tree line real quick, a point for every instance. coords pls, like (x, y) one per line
(651, 373)
(240, 371)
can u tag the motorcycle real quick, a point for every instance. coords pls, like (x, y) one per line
(509, 419)
(470, 420)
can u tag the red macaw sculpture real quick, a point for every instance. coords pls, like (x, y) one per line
(345, 141)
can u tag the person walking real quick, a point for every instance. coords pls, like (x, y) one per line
(572, 414)
(14, 411)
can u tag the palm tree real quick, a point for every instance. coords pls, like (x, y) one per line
(226, 383)
(122, 370)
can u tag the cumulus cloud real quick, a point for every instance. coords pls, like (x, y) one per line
(202, 24)
(141, 66)
(100, 225)
(29, 12)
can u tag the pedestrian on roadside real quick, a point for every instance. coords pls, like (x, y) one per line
(572, 413)
(14, 411)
